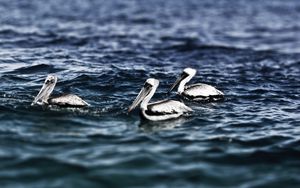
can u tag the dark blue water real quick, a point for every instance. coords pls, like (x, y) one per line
(105, 50)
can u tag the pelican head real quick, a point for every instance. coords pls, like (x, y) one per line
(45, 92)
(145, 94)
(185, 77)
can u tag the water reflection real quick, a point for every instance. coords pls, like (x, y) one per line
(152, 126)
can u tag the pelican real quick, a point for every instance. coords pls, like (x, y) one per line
(68, 100)
(157, 111)
(195, 92)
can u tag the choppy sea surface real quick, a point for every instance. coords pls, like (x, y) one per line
(103, 51)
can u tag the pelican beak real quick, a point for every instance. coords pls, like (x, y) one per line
(177, 82)
(143, 93)
(45, 92)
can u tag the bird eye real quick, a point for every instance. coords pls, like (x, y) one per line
(49, 81)
(147, 85)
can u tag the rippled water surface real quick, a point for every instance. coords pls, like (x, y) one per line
(105, 50)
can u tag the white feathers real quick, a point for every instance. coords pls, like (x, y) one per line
(68, 100)
(152, 81)
(201, 90)
(190, 71)
(165, 110)
(169, 107)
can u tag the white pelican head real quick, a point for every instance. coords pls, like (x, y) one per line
(145, 94)
(185, 77)
(45, 92)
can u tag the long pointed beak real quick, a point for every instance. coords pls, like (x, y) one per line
(177, 82)
(143, 93)
(44, 93)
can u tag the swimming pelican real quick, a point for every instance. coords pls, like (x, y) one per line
(68, 100)
(195, 92)
(157, 111)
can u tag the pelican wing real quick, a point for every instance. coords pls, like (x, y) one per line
(201, 90)
(68, 100)
(168, 107)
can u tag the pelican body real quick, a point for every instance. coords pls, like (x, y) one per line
(196, 92)
(157, 111)
(68, 100)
